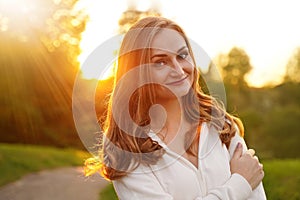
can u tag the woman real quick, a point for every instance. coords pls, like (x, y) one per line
(163, 137)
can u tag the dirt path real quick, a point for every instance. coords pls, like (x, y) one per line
(58, 184)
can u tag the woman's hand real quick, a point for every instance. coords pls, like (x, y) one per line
(247, 165)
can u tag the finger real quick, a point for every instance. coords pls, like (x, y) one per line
(256, 160)
(251, 152)
(238, 151)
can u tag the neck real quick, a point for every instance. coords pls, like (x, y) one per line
(169, 119)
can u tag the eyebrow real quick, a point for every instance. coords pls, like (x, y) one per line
(164, 55)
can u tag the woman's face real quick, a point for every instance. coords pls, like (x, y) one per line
(172, 65)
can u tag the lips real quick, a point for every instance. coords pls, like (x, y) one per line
(177, 82)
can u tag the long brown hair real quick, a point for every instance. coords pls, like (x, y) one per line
(126, 143)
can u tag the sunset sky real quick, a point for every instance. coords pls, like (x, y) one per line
(267, 30)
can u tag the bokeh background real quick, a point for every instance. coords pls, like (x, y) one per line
(255, 46)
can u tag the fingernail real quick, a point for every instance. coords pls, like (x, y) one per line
(239, 145)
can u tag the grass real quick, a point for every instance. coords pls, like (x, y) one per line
(108, 193)
(282, 181)
(18, 160)
(282, 177)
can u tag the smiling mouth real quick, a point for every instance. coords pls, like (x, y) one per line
(178, 81)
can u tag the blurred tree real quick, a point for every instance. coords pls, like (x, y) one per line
(39, 45)
(132, 15)
(280, 133)
(292, 73)
(129, 17)
(235, 66)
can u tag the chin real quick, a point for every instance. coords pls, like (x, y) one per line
(182, 92)
(176, 93)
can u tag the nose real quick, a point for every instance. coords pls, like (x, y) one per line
(177, 67)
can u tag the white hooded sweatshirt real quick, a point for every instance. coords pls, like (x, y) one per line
(176, 178)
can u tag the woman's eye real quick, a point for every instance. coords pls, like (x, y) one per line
(160, 63)
(183, 55)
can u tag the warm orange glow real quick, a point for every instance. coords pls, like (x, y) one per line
(92, 165)
(39, 48)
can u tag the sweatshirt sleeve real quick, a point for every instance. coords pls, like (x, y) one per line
(145, 186)
(236, 188)
(258, 193)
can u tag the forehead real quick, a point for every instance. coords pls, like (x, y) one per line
(167, 40)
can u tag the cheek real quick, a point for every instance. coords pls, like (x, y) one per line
(189, 65)
(159, 76)
(190, 70)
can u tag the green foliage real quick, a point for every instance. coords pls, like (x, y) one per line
(131, 16)
(235, 66)
(281, 133)
(271, 117)
(18, 160)
(293, 68)
(108, 193)
(37, 74)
